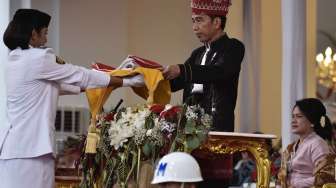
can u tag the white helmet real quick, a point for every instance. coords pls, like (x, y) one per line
(177, 167)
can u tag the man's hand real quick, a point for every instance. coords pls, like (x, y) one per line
(171, 72)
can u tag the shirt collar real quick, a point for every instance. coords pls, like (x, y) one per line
(217, 43)
(312, 134)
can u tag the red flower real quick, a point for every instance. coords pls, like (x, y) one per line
(109, 117)
(170, 112)
(254, 175)
(274, 170)
(157, 108)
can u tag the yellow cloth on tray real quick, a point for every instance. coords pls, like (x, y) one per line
(156, 89)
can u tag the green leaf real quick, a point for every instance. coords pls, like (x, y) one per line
(189, 127)
(147, 149)
(193, 142)
(201, 136)
(149, 122)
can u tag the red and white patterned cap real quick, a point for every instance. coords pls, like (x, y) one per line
(210, 7)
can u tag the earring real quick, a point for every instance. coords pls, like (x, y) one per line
(311, 125)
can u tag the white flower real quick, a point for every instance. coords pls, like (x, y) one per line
(167, 126)
(131, 122)
(190, 113)
(322, 121)
(118, 135)
(140, 136)
(140, 118)
(149, 132)
(119, 132)
(155, 136)
(206, 120)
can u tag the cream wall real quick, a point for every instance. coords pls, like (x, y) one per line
(312, 40)
(270, 67)
(161, 31)
(234, 28)
(93, 31)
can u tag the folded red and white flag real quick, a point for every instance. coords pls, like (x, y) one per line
(101, 67)
(133, 61)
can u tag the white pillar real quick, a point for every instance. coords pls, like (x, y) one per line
(294, 61)
(17, 4)
(55, 25)
(4, 19)
(25, 3)
(250, 79)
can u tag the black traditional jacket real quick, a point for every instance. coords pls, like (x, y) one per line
(219, 77)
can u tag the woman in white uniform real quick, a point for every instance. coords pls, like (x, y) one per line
(34, 81)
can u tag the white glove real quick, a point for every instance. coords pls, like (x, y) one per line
(134, 81)
(128, 63)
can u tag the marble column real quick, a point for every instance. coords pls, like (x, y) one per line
(4, 19)
(250, 74)
(293, 61)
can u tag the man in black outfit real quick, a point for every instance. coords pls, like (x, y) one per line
(210, 76)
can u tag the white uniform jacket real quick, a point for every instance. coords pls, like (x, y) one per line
(34, 81)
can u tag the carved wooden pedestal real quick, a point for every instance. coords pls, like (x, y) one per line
(67, 182)
(66, 177)
(229, 143)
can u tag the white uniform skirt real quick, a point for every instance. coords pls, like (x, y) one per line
(37, 172)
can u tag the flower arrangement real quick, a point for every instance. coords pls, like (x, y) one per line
(141, 133)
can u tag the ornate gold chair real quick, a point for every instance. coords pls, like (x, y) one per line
(229, 143)
(329, 185)
(325, 172)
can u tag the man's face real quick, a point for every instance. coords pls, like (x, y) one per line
(204, 27)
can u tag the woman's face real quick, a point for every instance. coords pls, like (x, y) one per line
(39, 39)
(300, 124)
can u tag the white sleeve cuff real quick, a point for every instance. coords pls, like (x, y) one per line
(98, 79)
(126, 82)
(66, 89)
